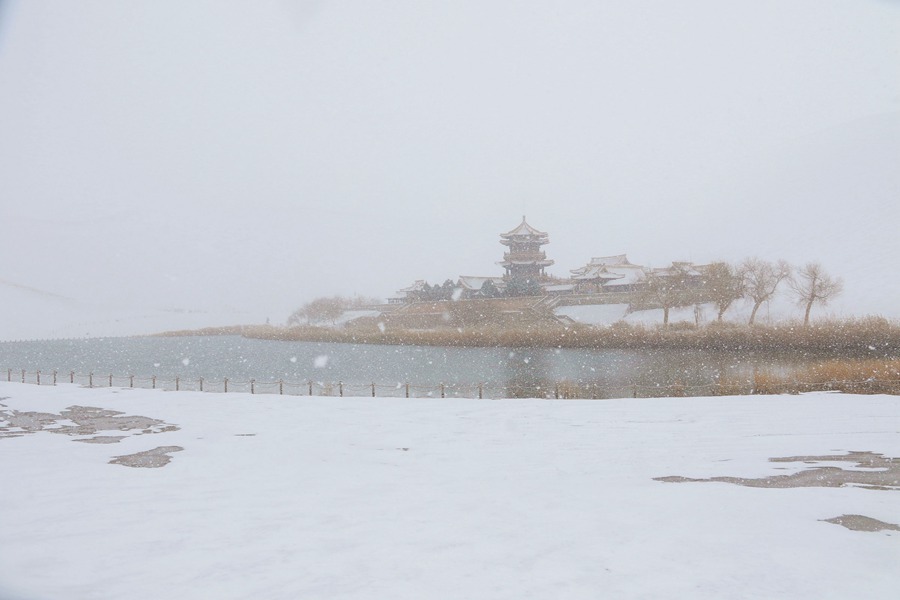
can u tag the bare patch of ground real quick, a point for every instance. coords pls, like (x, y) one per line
(862, 523)
(103, 439)
(872, 471)
(79, 421)
(148, 459)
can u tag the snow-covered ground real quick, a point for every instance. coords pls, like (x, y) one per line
(268, 497)
(770, 312)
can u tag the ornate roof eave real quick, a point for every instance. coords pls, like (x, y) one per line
(524, 230)
(542, 263)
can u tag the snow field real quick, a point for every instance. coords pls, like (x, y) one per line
(392, 498)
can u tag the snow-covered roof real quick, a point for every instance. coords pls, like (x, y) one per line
(614, 270)
(524, 230)
(543, 263)
(681, 268)
(418, 286)
(630, 275)
(617, 259)
(595, 272)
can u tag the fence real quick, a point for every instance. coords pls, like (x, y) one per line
(549, 390)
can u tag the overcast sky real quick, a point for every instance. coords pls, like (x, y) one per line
(254, 155)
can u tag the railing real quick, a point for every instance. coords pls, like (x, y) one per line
(548, 390)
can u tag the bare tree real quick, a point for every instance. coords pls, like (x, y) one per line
(320, 310)
(811, 285)
(329, 310)
(760, 280)
(722, 284)
(666, 289)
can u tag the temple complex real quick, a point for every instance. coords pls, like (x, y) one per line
(605, 279)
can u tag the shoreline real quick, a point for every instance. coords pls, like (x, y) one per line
(869, 338)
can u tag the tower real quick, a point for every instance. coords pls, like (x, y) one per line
(524, 262)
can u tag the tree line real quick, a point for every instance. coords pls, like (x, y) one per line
(682, 284)
(722, 284)
(328, 310)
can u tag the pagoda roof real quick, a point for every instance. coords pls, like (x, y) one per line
(524, 230)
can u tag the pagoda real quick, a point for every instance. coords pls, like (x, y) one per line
(525, 262)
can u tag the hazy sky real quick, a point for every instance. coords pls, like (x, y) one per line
(254, 155)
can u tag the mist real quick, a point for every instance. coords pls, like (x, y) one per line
(225, 162)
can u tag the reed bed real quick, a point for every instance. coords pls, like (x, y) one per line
(851, 376)
(870, 337)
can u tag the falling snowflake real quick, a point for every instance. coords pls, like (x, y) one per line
(321, 361)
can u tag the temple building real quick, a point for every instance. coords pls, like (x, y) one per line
(608, 274)
(525, 262)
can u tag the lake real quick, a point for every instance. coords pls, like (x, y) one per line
(333, 368)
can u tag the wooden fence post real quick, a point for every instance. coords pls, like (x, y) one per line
(252, 386)
(281, 387)
(9, 374)
(480, 394)
(39, 377)
(310, 387)
(226, 385)
(91, 379)
(341, 389)
(71, 376)
(23, 375)
(407, 389)
(131, 381)
(110, 380)
(153, 379)
(373, 389)
(442, 391)
(177, 383)
(54, 376)
(201, 384)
